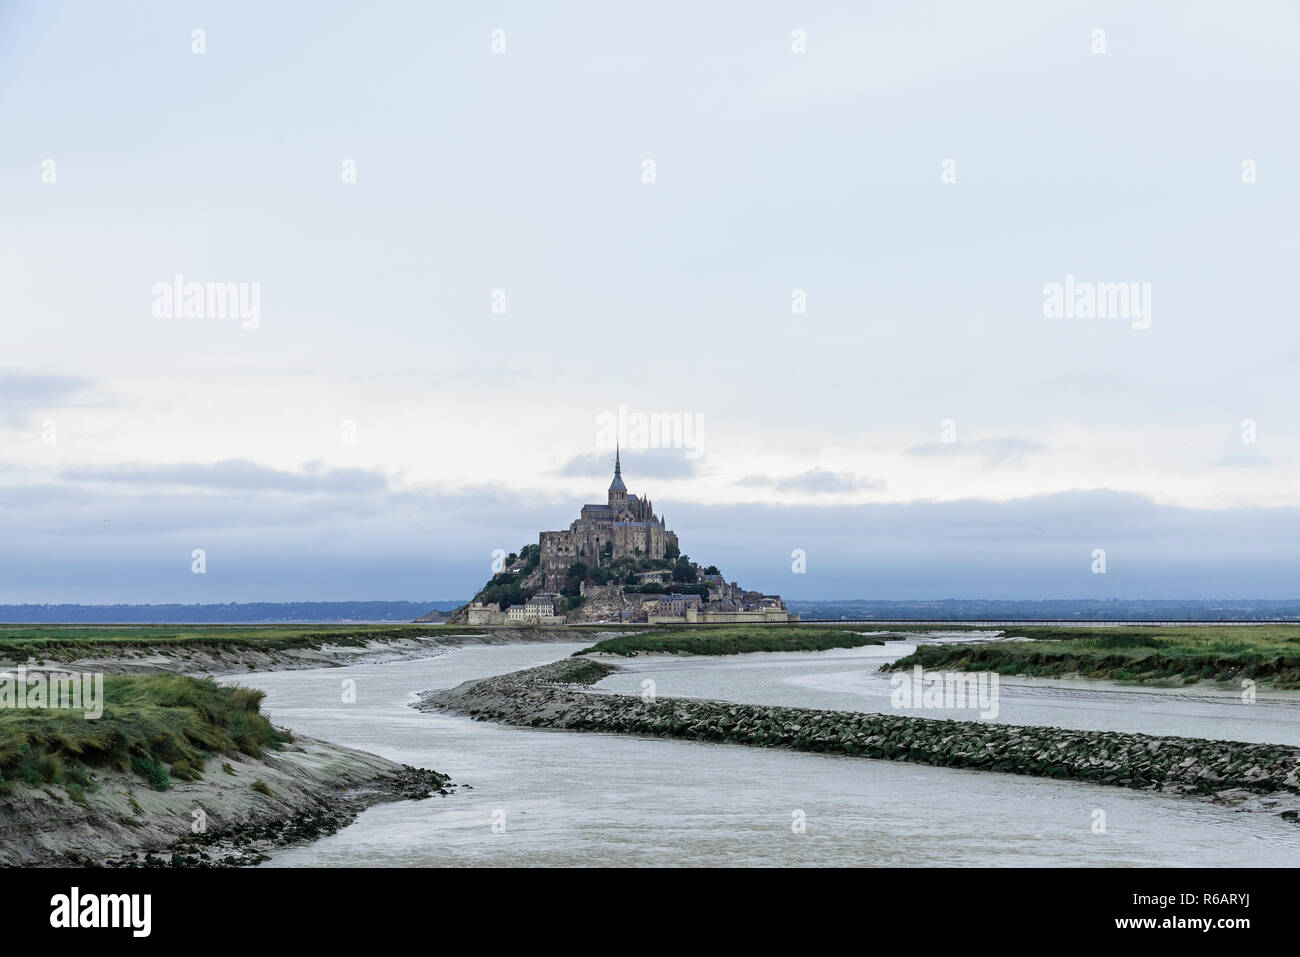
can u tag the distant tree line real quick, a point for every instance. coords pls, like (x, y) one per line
(1077, 609)
(261, 611)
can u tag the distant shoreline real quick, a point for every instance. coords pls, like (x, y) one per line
(217, 613)
(954, 610)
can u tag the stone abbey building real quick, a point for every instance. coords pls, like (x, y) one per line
(625, 526)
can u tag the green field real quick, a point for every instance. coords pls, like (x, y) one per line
(68, 642)
(733, 640)
(158, 726)
(1173, 655)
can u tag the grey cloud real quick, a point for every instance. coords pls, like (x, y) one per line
(817, 481)
(151, 501)
(637, 464)
(996, 453)
(236, 474)
(1033, 547)
(403, 543)
(1243, 458)
(23, 393)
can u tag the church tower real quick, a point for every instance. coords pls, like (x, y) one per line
(617, 490)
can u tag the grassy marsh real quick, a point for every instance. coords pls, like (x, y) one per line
(158, 726)
(1175, 655)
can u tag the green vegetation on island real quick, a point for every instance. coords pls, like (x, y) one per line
(1186, 655)
(159, 726)
(630, 572)
(732, 640)
(507, 587)
(517, 581)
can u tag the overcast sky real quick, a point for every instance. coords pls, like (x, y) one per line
(923, 429)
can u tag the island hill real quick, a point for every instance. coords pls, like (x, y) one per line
(616, 562)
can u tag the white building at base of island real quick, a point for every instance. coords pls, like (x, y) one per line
(540, 609)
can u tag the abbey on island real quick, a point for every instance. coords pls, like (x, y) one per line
(616, 562)
(624, 527)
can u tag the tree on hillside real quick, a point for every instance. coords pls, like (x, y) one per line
(573, 580)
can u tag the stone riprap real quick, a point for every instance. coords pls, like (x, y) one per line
(557, 696)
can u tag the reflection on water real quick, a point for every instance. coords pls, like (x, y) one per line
(595, 799)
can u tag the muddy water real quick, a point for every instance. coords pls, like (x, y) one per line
(542, 797)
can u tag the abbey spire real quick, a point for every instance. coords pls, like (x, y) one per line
(617, 490)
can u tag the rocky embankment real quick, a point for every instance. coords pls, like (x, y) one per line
(241, 808)
(556, 696)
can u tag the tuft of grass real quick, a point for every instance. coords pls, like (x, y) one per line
(262, 787)
(187, 769)
(50, 767)
(162, 727)
(151, 771)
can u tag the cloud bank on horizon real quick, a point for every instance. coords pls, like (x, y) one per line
(948, 299)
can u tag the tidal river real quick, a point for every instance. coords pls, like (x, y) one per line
(539, 797)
